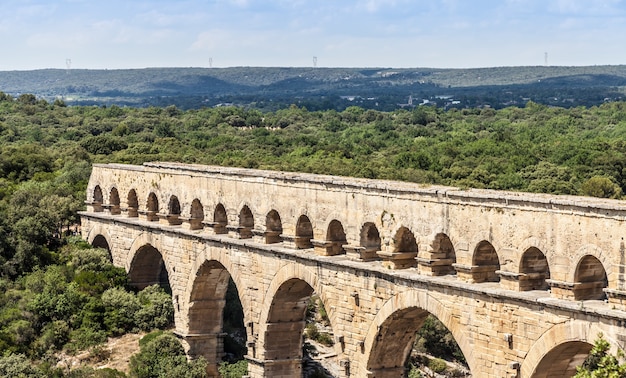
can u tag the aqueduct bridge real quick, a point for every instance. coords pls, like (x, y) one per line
(524, 282)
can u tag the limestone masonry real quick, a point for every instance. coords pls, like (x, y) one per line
(524, 282)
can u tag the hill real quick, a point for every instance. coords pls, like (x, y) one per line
(272, 88)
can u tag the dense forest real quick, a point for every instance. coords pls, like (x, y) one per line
(59, 294)
(321, 88)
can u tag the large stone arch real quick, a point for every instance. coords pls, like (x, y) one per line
(280, 332)
(138, 247)
(412, 301)
(218, 254)
(562, 345)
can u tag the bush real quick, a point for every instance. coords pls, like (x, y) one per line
(234, 370)
(156, 310)
(437, 365)
(17, 365)
(121, 307)
(164, 356)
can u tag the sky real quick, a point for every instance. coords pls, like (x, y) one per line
(117, 34)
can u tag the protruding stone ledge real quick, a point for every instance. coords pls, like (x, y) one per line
(435, 265)
(328, 247)
(398, 260)
(359, 253)
(561, 289)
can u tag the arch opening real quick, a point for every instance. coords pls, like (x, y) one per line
(369, 241)
(97, 199)
(246, 223)
(304, 233)
(410, 339)
(273, 228)
(152, 207)
(220, 219)
(297, 324)
(485, 262)
(215, 309)
(443, 256)
(535, 270)
(148, 268)
(196, 216)
(173, 212)
(590, 279)
(132, 204)
(403, 251)
(335, 238)
(114, 202)
(101, 242)
(562, 360)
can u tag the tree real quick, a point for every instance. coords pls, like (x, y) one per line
(600, 363)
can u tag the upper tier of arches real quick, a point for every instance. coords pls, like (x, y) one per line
(398, 244)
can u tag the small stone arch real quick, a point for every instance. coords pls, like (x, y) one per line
(114, 201)
(98, 199)
(246, 223)
(273, 227)
(485, 263)
(534, 269)
(132, 203)
(220, 219)
(369, 242)
(442, 256)
(561, 348)
(387, 342)
(403, 251)
(335, 238)
(590, 279)
(304, 233)
(173, 211)
(152, 207)
(196, 215)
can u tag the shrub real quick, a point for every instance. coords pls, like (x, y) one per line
(234, 370)
(121, 307)
(437, 365)
(164, 356)
(156, 309)
(17, 365)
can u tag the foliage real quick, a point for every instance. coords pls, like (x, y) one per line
(600, 363)
(437, 365)
(18, 366)
(233, 370)
(434, 338)
(164, 356)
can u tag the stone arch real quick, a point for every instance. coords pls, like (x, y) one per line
(98, 199)
(403, 251)
(590, 279)
(596, 252)
(273, 227)
(443, 255)
(173, 211)
(335, 238)
(114, 201)
(196, 215)
(152, 207)
(485, 263)
(390, 335)
(370, 237)
(563, 346)
(205, 314)
(246, 222)
(535, 270)
(132, 203)
(148, 268)
(282, 319)
(99, 238)
(220, 219)
(304, 233)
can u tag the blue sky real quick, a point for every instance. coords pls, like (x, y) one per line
(116, 34)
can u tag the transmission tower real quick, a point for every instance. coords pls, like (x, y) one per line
(545, 58)
(68, 64)
(211, 62)
(314, 61)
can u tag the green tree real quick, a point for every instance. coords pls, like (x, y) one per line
(600, 363)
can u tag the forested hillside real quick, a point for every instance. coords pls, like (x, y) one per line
(57, 295)
(273, 88)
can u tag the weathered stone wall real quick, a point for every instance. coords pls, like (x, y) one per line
(374, 310)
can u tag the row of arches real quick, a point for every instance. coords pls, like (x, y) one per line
(386, 348)
(589, 282)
